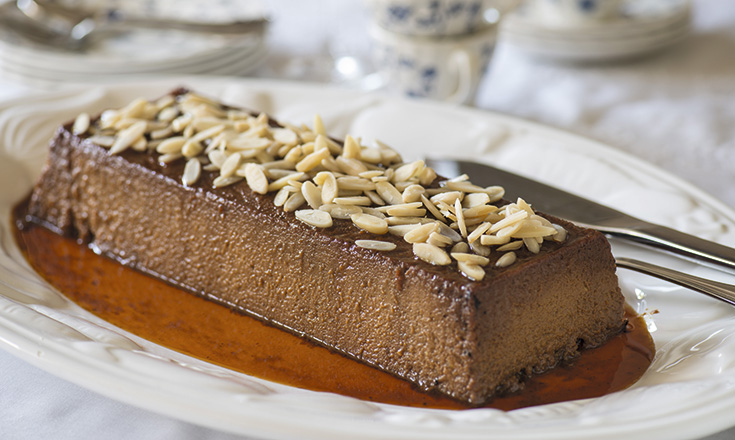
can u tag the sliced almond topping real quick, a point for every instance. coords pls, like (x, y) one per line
(281, 196)
(312, 194)
(81, 124)
(470, 258)
(512, 246)
(431, 254)
(342, 212)
(314, 217)
(432, 208)
(413, 193)
(477, 233)
(460, 217)
(506, 260)
(406, 172)
(438, 239)
(351, 149)
(389, 193)
(471, 271)
(192, 171)
(376, 245)
(171, 145)
(221, 181)
(422, 233)
(319, 125)
(230, 165)
(256, 178)
(330, 188)
(356, 200)
(337, 181)
(461, 247)
(294, 202)
(532, 245)
(285, 136)
(128, 136)
(370, 223)
(312, 160)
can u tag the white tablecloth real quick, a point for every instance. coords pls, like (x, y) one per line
(675, 109)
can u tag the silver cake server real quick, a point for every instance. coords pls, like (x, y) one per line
(609, 221)
(590, 214)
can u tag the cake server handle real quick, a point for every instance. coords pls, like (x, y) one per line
(722, 291)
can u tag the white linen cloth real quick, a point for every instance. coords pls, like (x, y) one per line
(675, 109)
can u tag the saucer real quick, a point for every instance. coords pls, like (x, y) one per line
(642, 27)
(138, 52)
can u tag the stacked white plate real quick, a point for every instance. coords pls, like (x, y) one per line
(641, 27)
(139, 52)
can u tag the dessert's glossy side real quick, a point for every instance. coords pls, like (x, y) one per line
(164, 314)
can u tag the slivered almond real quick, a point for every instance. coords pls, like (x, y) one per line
(432, 208)
(460, 217)
(471, 271)
(389, 193)
(221, 181)
(351, 149)
(374, 197)
(506, 260)
(406, 212)
(342, 212)
(192, 171)
(438, 239)
(285, 136)
(312, 194)
(230, 165)
(256, 178)
(446, 197)
(479, 249)
(407, 220)
(356, 200)
(508, 220)
(281, 196)
(476, 199)
(330, 188)
(81, 124)
(511, 246)
(376, 245)
(532, 245)
(314, 217)
(422, 233)
(495, 192)
(169, 157)
(370, 223)
(493, 240)
(127, 137)
(431, 254)
(477, 233)
(470, 258)
(312, 160)
(561, 233)
(351, 166)
(294, 202)
(408, 171)
(413, 193)
(319, 125)
(461, 247)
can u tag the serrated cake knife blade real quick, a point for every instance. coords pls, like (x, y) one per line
(590, 214)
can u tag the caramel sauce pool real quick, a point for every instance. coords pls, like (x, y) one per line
(166, 315)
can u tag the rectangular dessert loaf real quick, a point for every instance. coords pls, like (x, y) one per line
(438, 282)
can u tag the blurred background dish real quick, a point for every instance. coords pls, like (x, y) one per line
(639, 27)
(142, 50)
